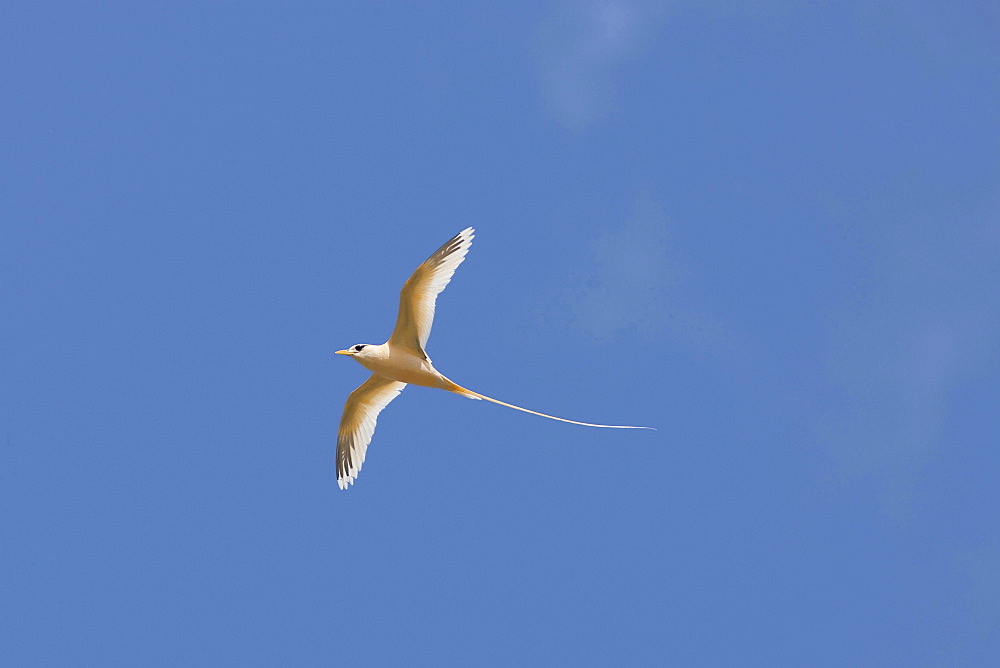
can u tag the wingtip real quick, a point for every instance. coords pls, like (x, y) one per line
(345, 479)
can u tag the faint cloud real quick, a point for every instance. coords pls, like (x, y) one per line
(930, 321)
(637, 285)
(578, 48)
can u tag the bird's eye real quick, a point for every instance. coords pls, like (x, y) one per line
(358, 348)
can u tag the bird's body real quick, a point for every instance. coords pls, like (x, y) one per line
(402, 360)
(397, 363)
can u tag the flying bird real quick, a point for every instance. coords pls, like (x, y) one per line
(402, 360)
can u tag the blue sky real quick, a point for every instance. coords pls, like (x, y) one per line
(770, 230)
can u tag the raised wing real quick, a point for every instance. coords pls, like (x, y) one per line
(358, 424)
(419, 293)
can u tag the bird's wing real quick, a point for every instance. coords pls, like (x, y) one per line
(358, 424)
(419, 293)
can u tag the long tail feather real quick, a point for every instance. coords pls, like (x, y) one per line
(458, 389)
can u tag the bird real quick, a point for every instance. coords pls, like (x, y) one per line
(403, 360)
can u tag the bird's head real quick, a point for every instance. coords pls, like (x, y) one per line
(360, 350)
